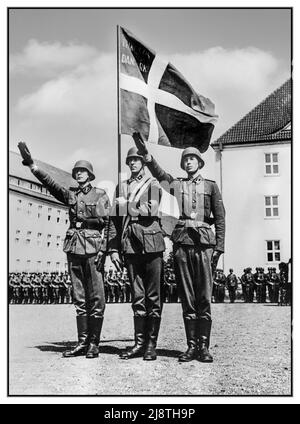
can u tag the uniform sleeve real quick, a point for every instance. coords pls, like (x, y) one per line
(59, 192)
(105, 210)
(218, 211)
(158, 172)
(113, 235)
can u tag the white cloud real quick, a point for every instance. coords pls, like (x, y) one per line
(236, 80)
(46, 59)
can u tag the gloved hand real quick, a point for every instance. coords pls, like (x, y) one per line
(25, 153)
(99, 261)
(140, 144)
(116, 260)
(215, 259)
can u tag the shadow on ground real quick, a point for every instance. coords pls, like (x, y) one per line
(60, 347)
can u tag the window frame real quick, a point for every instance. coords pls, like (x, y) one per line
(271, 163)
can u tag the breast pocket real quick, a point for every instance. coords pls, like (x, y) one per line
(92, 242)
(68, 246)
(153, 241)
(90, 209)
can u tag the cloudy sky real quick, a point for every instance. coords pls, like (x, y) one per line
(63, 95)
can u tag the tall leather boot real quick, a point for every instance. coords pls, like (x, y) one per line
(95, 327)
(191, 326)
(153, 325)
(204, 340)
(83, 342)
(139, 338)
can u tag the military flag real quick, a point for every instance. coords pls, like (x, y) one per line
(156, 100)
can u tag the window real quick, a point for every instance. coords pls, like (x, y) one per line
(17, 240)
(40, 207)
(18, 231)
(49, 236)
(19, 205)
(49, 210)
(48, 264)
(27, 241)
(57, 219)
(49, 217)
(28, 233)
(271, 207)
(273, 250)
(57, 265)
(39, 235)
(271, 164)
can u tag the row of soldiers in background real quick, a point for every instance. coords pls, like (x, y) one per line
(39, 288)
(54, 288)
(44, 288)
(258, 286)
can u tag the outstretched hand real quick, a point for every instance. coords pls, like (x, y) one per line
(140, 144)
(116, 260)
(25, 153)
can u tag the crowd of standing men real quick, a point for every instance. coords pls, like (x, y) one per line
(55, 288)
(274, 287)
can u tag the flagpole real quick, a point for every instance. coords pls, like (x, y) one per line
(119, 107)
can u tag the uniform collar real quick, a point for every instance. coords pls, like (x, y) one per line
(138, 178)
(86, 189)
(195, 178)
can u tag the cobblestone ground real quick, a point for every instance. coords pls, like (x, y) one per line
(250, 344)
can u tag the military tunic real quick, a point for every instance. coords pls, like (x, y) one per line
(135, 231)
(88, 213)
(200, 205)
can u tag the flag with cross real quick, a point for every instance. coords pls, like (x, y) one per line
(156, 100)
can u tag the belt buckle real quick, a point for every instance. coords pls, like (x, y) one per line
(78, 225)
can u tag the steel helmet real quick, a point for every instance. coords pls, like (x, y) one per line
(86, 165)
(192, 151)
(133, 152)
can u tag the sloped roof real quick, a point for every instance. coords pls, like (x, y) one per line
(18, 170)
(268, 121)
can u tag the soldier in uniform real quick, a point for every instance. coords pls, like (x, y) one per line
(55, 285)
(122, 287)
(273, 282)
(45, 288)
(247, 280)
(232, 285)
(259, 284)
(36, 288)
(220, 281)
(85, 248)
(26, 288)
(136, 233)
(196, 248)
(111, 282)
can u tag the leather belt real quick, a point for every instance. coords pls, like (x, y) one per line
(193, 223)
(144, 219)
(79, 225)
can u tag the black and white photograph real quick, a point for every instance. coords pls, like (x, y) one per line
(150, 202)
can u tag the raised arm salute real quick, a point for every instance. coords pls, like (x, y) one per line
(196, 247)
(85, 247)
